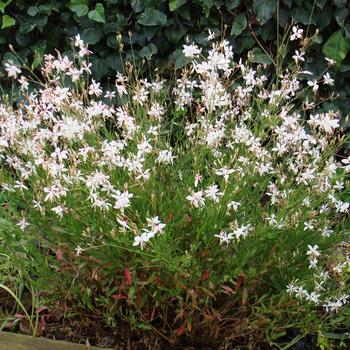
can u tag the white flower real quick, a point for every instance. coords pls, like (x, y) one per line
(155, 224)
(224, 238)
(314, 85)
(122, 199)
(94, 88)
(327, 80)
(297, 33)
(225, 172)
(233, 205)
(141, 240)
(298, 57)
(191, 50)
(78, 250)
(213, 193)
(197, 180)
(165, 157)
(196, 199)
(59, 210)
(12, 70)
(330, 61)
(23, 224)
(308, 226)
(313, 251)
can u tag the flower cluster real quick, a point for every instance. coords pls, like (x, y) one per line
(225, 160)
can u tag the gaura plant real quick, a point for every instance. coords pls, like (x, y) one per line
(172, 203)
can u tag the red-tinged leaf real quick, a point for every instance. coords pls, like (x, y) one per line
(205, 275)
(245, 296)
(94, 274)
(19, 316)
(24, 326)
(240, 280)
(41, 309)
(128, 276)
(203, 253)
(168, 218)
(180, 315)
(119, 296)
(42, 324)
(189, 325)
(59, 254)
(226, 289)
(181, 329)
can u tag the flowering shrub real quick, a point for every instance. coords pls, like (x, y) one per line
(168, 205)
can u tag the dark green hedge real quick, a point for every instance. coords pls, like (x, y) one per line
(156, 29)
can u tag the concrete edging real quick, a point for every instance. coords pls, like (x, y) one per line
(15, 341)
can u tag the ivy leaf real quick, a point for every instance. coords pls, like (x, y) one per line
(321, 3)
(336, 47)
(239, 24)
(179, 59)
(207, 5)
(260, 57)
(98, 15)
(264, 9)
(137, 5)
(175, 4)
(32, 11)
(80, 10)
(152, 17)
(7, 21)
(91, 35)
(340, 14)
(232, 4)
(148, 51)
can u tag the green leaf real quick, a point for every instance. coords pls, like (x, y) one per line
(137, 5)
(38, 56)
(302, 15)
(321, 3)
(260, 57)
(148, 51)
(232, 4)
(175, 4)
(7, 21)
(80, 10)
(336, 47)
(340, 14)
(79, 2)
(98, 15)
(152, 17)
(179, 59)
(264, 9)
(32, 11)
(91, 35)
(239, 24)
(347, 31)
(114, 62)
(3, 39)
(207, 5)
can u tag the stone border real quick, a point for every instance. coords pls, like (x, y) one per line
(15, 341)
